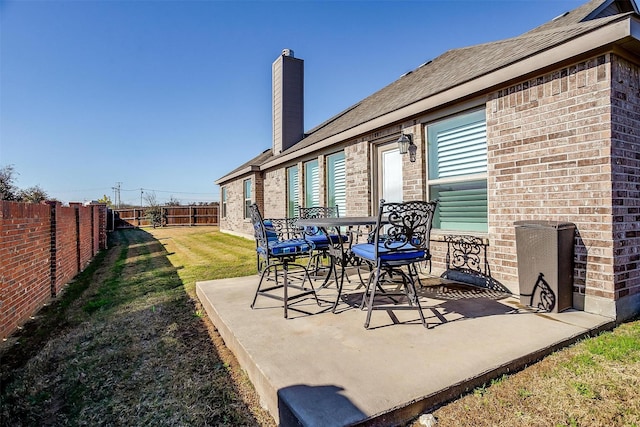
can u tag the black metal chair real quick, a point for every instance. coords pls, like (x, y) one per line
(279, 243)
(400, 240)
(321, 240)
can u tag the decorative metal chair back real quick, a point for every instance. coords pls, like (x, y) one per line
(266, 230)
(279, 242)
(321, 239)
(271, 230)
(319, 212)
(283, 228)
(467, 262)
(259, 229)
(404, 227)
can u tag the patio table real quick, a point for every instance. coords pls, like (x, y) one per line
(339, 249)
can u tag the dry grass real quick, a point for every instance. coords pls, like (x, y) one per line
(593, 383)
(132, 348)
(129, 344)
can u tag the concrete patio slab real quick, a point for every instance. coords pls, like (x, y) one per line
(325, 369)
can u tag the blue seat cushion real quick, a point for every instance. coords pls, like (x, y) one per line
(368, 251)
(322, 241)
(288, 247)
(271, 232)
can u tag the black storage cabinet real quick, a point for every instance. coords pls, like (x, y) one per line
(545, 264)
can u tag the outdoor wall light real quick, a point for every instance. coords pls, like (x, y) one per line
(405, 144)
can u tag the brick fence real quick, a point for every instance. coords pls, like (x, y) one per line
(42, 247)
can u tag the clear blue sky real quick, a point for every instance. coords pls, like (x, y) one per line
(171, 95)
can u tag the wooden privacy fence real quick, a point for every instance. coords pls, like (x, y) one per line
(171, 216)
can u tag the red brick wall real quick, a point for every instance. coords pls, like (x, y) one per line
(415, 174)
(25, 281)
(625, 164)
(275, 186)
(66, 248)
(39, 253)
(549, 158)
(85, 217)
(357, 157)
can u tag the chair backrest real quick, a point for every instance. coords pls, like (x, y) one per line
(270, 229)
(259, 228)
(319, 212)
(405, 226)
(284, 228)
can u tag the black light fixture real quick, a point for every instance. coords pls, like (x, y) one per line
(405, 144)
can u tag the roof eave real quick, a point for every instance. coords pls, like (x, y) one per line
(236, 174)
(599, 38)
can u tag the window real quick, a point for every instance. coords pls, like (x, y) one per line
(457, 153)
(311, 184)
(247, 198)
(292, 192)
(336, 182)
(224, 202)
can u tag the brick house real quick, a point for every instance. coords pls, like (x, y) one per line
(543, 126)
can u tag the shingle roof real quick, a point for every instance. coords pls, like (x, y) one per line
(452, 68)
(458, 66)
(585, 12)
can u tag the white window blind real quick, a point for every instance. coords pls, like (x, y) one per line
(247, 198)
(462, 150)
(457, 171)
(336, 182)
(461, 206)
(292, 192)
(312, 184)
(224, 202)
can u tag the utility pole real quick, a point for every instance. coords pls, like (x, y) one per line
(116, 194)
(118, 198)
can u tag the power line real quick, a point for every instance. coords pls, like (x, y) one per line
(167, 191)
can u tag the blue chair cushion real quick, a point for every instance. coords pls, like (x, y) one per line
(319, 240)
(368, 251)
(271, 232)
(288, 247)
(322, 241)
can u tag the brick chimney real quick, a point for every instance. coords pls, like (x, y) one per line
(288, 101)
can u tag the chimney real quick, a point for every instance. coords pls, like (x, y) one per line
(288, 101)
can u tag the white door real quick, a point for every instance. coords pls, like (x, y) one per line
(389, 174)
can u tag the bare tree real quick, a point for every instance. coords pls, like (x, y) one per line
(154, 211)
(33, 194)
(8, 190)
(173, 201)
